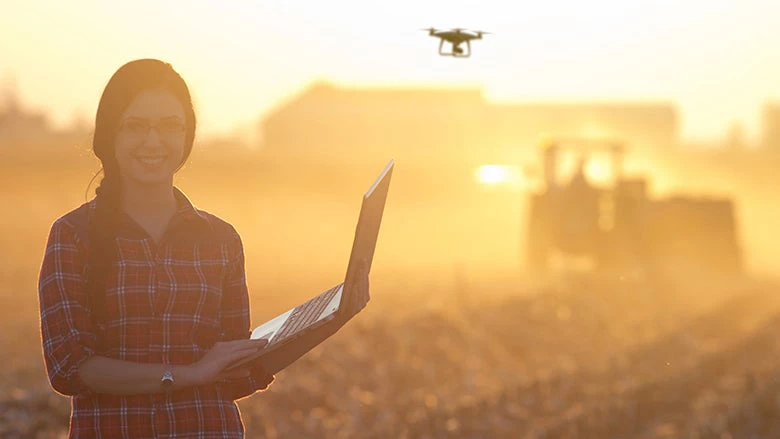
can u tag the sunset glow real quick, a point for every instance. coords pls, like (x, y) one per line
(242, 59)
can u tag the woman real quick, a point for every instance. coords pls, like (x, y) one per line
(143, 297)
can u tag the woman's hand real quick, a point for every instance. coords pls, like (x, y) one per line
(210, 368)
(356, 291)
(233, 374)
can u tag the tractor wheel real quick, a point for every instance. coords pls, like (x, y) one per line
(537, 237)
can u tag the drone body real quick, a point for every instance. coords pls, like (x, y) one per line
(456, 37)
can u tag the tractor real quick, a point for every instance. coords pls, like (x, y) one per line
(616, 228)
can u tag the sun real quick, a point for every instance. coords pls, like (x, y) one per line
(598, 171)
(492, 174)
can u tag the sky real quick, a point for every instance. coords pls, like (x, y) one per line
(716, 59)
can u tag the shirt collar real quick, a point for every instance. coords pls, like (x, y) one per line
(186, 212)
(186, 216)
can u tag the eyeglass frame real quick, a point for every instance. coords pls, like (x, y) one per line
(167, 135)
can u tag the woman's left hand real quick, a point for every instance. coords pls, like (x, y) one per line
(233, 374)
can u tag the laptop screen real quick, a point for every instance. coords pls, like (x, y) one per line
(368, 223)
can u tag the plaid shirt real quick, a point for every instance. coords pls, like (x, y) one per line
(163, 303)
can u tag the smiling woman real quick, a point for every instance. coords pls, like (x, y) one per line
(142, 296)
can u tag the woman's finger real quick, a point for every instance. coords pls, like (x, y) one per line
(239, 344)
(249, 344)
(239, 354)
(234, 374)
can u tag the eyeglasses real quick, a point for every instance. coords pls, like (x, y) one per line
(138, 129)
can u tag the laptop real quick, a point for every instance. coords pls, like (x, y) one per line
(290, 325)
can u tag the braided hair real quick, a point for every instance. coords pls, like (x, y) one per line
(130, 80)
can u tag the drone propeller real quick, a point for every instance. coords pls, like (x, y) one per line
(483, 32)
(430, 29)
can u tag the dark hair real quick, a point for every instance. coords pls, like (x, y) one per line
(130, 80)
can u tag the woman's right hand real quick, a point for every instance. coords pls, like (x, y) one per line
(208, 368)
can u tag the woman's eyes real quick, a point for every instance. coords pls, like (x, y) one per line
(171, 126)
(136, 126)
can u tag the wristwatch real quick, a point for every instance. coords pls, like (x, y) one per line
(167, 379)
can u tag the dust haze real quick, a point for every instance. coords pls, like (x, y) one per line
(575, 349)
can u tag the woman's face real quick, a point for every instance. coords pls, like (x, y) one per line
(150, 139)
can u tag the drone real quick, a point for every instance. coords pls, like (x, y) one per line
(456, 37)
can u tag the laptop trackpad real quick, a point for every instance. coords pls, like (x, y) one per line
(269, 329)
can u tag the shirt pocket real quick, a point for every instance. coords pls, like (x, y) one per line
(198, 294)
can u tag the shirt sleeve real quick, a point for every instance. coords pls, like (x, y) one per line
(66, 323)
(235, 322)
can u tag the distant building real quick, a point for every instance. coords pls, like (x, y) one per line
(24, 132)
(640, 124)
(771, 127)
(332, 124)
(20, 128)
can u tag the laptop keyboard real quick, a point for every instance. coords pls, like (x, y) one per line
(305, 314)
